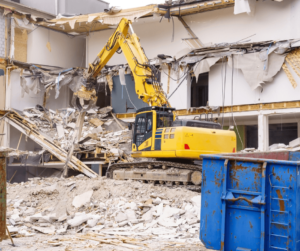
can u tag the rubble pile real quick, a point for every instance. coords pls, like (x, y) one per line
(100, 133)
(293, 146)
(103, 210)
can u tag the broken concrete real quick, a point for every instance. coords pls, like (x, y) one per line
(82, 199)
(116, 208)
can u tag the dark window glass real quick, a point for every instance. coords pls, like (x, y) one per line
(251, 136)
(164, 120)
(203, 125)
(199, 91)
(176, 123)
(139, 140)
(282, 133)
(141, 125)
(149, 122)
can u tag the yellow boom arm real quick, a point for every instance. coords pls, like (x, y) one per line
(146, 86)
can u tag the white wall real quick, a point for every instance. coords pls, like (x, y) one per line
(65, 51)
(181, 97)
(31, 100)
(278, 90)
(45, 5)
(271, 21)
(155, 38)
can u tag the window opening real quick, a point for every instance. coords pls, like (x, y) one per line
(199, 91)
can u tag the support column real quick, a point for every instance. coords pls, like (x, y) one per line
(263, 132)
(298, 129)
(100, 170)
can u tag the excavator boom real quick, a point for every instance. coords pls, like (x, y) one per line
(146, 85)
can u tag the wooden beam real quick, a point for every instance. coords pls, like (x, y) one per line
(31, 131)
(228, 109)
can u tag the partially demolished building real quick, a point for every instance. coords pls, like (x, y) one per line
(228, 57)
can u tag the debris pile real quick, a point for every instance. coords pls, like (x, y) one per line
(102, 135)
(103, 210)
(293, 146)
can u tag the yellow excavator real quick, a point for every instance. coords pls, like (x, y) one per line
(173, 145)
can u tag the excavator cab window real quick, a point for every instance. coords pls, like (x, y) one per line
(164, 119)
(143, 128)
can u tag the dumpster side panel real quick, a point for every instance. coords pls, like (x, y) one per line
(298, 210)
(294, 156)
(254, 207)
(2, 196)
(243, 218)
(281, 217)
(211, 206)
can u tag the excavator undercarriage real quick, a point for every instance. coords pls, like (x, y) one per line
(159, 172)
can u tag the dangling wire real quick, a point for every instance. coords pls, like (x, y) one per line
(173, 33)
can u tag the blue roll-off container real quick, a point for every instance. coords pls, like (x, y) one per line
(251, 202)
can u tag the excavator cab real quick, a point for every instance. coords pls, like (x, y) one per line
(147, 126)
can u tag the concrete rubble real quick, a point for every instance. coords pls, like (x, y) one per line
(102, 136)
(127, 214)
(293, 146)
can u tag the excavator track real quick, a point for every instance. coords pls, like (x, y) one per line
(171, 174)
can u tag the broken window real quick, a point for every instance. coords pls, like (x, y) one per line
(282, 133)
(199, 91)
(252, 136)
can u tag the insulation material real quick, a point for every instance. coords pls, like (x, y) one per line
(23, 23)
(293, 60)
(95, 21)
(72, 23)
(20, 44)
(122, 76)
(110, 82)
(91, 18)
(253, 67)
(289, 75)
(244, 6)
(204, 66)
(24, 86)
(48, 45)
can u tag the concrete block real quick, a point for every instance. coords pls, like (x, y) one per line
(295, 143)
(120, 217)
(148, 217)
(130, 214)
(78, 220)
(82, 199)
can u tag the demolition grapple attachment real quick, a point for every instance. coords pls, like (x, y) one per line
(84, 99)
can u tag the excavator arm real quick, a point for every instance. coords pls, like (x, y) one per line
(146, 85)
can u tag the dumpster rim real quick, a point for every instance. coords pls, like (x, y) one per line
(245, 159)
